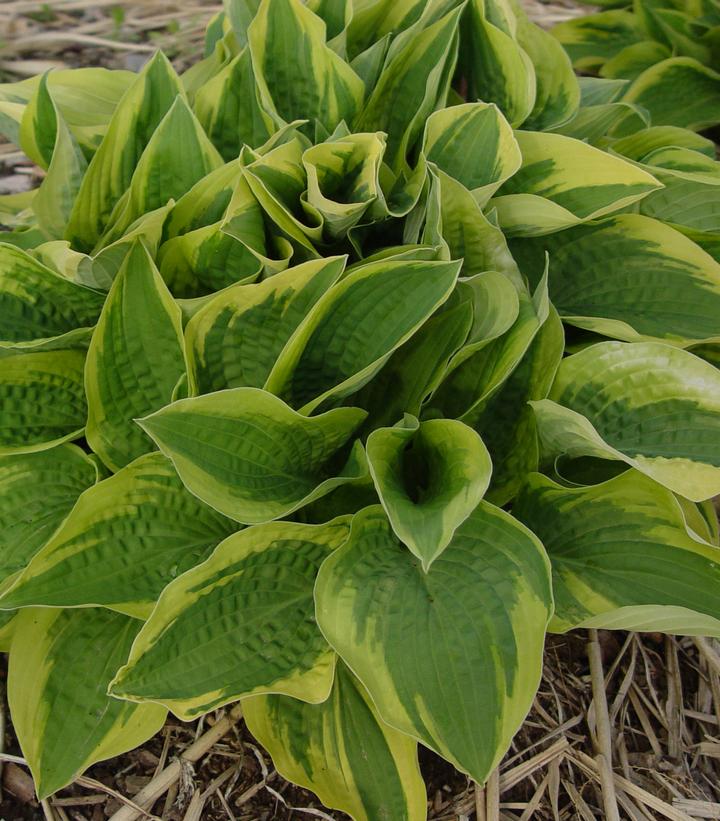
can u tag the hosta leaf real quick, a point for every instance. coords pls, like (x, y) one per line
(124, 541)
(650, 405)
(37, 304)
(679, 91)
(236, 338)
(342, 751)
(229, 108)
(430, 476)
(631, 278)
(630, 63)
(499, 70)
(410, 87)
(250, 456)
(474, 144)
(134, 122)
(298, 76)
(640, 145)
(343, 178)
(452, 656)
(136, 359)
(38, 127)
(506, 422)
(353, 329)
(241, 623)
(622, 557)
(178, 155)
(42, 400)
(595, 38)
(37, 491)
(61, 662)
(563, 182)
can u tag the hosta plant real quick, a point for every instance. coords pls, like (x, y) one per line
(333, 373)
(664, 55)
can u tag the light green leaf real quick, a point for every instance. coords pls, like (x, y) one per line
(134, 122)
(250, 456)
(135, 360)
(451, 657)
(37, 304)
(430, 476)
(622, 557)
(353, 329)
(241, 623)
(474, 144)
(37, 491)
(679, 91)
(61, 662)
(298, 75)
(630, 63)
(593, 39)
(631, 278)
(42, 400)
(342, 751)
(123, 542)
(650, 405)
(236, 338)
(563, 182)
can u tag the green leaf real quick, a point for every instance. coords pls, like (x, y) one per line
(563, 182)
(430, 476)
(631, 278)
(236, 338)
(298, 75)
(124, 541)
(650, 405)
(38, 127)
(679, 91)
(342, 751)
(61, 662)
(412, 85)
(135, 360)
(241, 623)
(474, 144)
(134, 122)
(593, 39)
(622, 557)
(634, 59)
(499, 70)
(37, 305)
(451, 657)
(355, 326)
(42, 400)
(250, 456)
(37, 491)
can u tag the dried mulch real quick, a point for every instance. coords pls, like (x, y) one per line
(625, 726)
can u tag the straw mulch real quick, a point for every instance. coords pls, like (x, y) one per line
(624, 726)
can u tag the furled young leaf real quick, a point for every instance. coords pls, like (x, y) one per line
(241, 623)
(37, 491)
(38, 127)
(679, 91)
(563, 182)
(298, 75)
(135, 360)
(412, 84)
(342, 751)
(124, 541)
(622, 556)
(353, 329)
(236, 338)
(631, 278)
(430, 476)
(499, 70)
(134, 122)
(37, 304)
(250, 456)
(645, 403)
(42, 400)
(474, 144)
(61, 662)
(453, 656)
